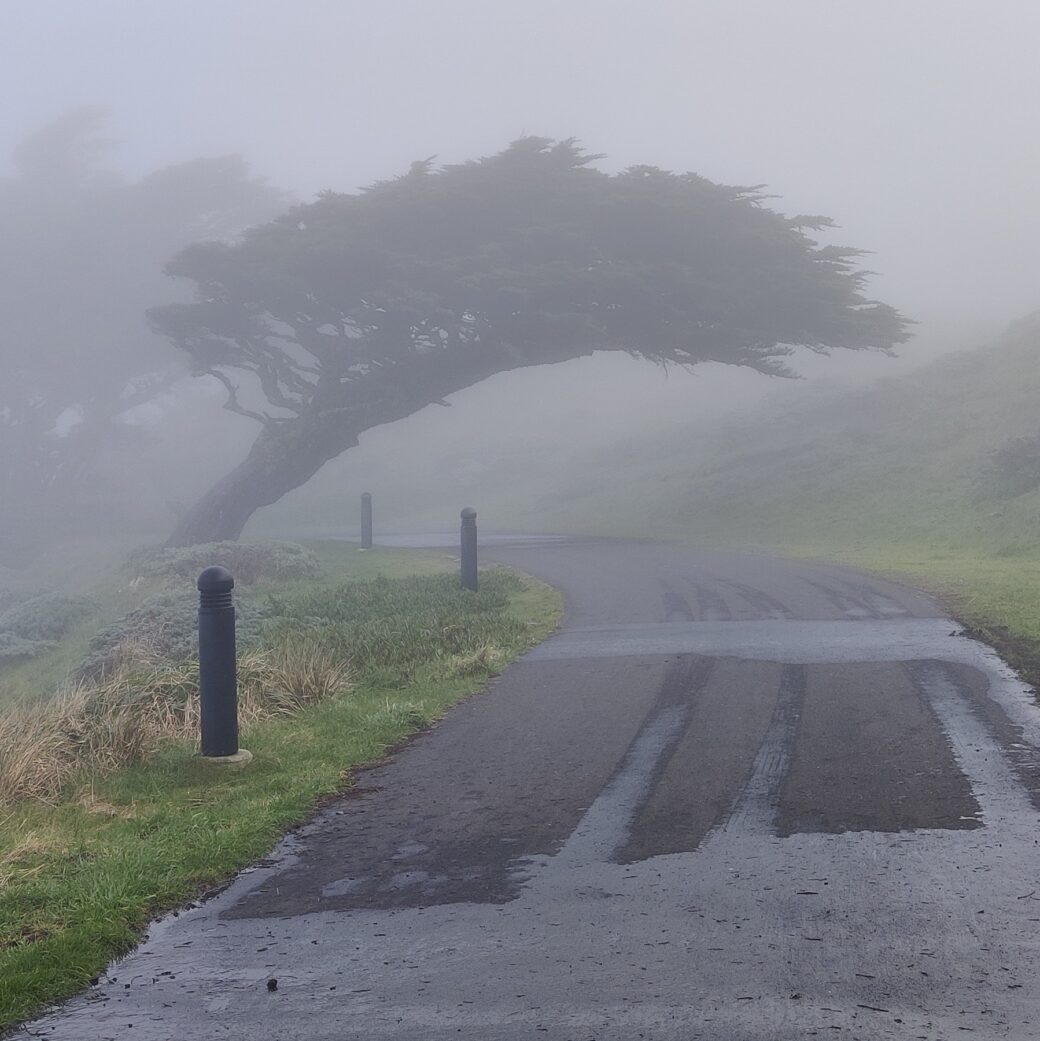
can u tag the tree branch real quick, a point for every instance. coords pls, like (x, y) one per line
(232, 404)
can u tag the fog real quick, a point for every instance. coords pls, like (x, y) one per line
(909, 124)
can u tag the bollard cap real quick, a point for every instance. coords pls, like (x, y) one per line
(215, 579)
(468, 512)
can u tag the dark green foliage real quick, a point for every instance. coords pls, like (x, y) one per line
(538, 255)
(358, 310)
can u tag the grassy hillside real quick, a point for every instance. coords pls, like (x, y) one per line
(903, 463)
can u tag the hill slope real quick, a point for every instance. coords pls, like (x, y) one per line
(904, 463)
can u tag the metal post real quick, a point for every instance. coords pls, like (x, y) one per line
(469, 548)
(366, 520)
(218, 682)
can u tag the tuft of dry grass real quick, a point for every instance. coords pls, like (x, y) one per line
(28, 857)
(487, 658)
(32, 846)
(96, 726)
(298, 674)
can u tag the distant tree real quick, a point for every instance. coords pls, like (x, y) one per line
(81, 256)
(360, 309)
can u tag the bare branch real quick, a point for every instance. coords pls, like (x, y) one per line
(232, 404)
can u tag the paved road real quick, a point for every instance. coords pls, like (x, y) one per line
(734, 798)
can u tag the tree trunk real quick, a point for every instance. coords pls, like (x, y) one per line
(288, 453)
(284, 456)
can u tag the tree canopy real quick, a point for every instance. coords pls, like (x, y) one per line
(82, 251)
(359, 309)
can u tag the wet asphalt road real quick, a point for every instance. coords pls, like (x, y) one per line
(733, 798)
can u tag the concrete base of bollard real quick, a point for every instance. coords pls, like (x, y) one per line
(230, 762)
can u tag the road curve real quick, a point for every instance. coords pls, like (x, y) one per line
(734, 798)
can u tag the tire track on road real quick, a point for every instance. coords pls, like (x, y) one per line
(755, 809)
(606, 827)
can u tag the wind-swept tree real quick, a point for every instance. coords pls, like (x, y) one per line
(360, 309)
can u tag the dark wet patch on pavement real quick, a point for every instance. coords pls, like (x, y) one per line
(871, 755)
(455, 819)
(709, 764)
(973, 687)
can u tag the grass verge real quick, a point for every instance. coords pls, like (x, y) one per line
(82, 874)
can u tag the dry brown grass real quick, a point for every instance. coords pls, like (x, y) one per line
(483, 659)
(28, 856)
(96, 726)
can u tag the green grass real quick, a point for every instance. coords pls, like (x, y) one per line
(81, 878)
(114, 592)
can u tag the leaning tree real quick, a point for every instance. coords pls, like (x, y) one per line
(360, 309)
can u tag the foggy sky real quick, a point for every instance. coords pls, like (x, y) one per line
(912, 124)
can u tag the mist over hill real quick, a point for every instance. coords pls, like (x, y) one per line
(919, 458)
(928, 458)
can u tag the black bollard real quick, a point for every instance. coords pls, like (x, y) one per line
(218, 682)
(469, 548)
(366, 521)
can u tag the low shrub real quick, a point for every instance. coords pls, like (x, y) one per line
(16, 648)
(12, 590)
(48, 616)
(32, 624)
(249, 562)
(164, 626)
